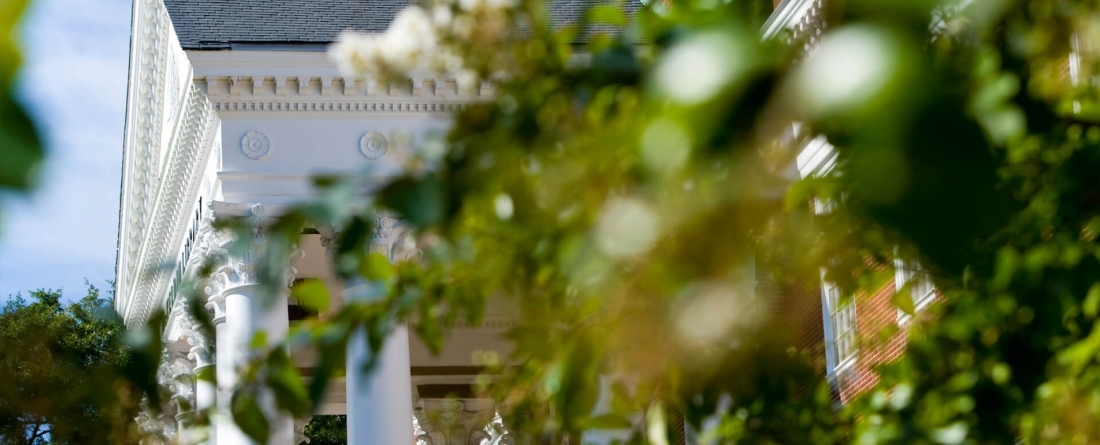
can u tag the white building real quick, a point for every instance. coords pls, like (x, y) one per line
(233, 105)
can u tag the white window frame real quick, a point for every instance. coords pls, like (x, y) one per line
(841, 333)
(922, 289)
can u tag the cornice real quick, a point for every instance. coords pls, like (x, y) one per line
(144, 121)
(169, 138)
(191, 152)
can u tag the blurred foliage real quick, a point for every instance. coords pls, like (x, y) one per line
(20, 152)
(625, 193)
(60, 368)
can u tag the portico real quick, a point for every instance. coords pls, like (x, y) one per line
(240, 134)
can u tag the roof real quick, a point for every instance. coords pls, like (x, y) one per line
(221, 24)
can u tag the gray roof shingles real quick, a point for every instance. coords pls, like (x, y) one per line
(218, 24)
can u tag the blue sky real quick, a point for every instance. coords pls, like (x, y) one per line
(74, 83)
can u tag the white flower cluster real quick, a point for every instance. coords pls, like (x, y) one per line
(417, 40)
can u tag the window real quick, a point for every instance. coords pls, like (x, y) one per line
(842, 321)
(921, 288)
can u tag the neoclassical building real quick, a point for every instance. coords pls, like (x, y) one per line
(233, 106)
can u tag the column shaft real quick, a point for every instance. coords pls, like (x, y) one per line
(206, 397)
(380, 404)
(233, 335)
(245, 315)
(272, 317)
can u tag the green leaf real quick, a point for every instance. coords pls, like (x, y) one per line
(207, 374)
(333, 348)
(378, 268)
(311, 294)
(145, 346)
(20, 150)
(249, 417)
(610, 14)
(20, 147)
(286, 384)
(904, 301)
(1092, 301)
(606, 422)
(259, 340)
(420, 201)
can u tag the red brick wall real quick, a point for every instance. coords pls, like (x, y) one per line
(881, 339)
(876, 316)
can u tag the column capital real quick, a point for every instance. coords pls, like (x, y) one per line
(216, 305)
(234, 267)
(390, 236)
(155, 424)
(394, 238)
(456, 422)
(191, 331)
(176, 374)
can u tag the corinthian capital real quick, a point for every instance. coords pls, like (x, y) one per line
(330, 235)
(192, 332)
(456, 422)
(394, 238)
(234, 266)
(175, 374)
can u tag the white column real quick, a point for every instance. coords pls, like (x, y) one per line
(231, 323)
(246, 314)
(205, 398)
(241, 310)
(205, 390)
(379, 404)
(272, 317)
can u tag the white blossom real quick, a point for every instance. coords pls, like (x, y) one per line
(409, 43)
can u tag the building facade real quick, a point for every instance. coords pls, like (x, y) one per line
(232, 107)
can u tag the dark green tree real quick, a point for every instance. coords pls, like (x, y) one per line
(60, 372)
(327, 430)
